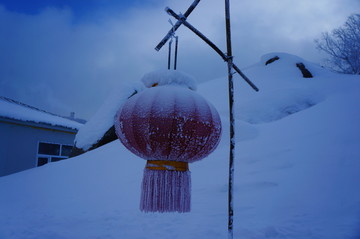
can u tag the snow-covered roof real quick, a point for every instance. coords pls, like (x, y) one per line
(15, 110)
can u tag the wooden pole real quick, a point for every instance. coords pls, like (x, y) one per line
(232, 120)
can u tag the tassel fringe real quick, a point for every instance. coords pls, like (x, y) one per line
(166, 191)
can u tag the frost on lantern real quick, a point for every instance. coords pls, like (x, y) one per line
(169, 126)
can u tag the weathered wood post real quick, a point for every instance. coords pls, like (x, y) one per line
(232, 121)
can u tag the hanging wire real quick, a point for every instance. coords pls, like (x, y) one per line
(176, 51)
(169, 55)
(176, 47)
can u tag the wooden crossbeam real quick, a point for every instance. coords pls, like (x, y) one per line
(176, 26)
(225, 57)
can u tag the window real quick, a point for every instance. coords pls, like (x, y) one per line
(66, 150)
(42, 161)
(50, 149)
(50, 152)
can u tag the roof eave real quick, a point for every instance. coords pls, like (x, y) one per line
(39, 125)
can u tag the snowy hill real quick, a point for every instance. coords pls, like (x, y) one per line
(296, 171)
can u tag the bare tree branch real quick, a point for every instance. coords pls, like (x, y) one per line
(342, 46)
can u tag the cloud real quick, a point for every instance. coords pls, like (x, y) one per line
(54, 63)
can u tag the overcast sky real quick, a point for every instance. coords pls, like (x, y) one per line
(68, 55)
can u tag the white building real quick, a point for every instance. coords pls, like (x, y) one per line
(30, 137)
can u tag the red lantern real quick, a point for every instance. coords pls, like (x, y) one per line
(169, 126)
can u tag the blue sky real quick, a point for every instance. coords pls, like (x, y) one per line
(65, 56)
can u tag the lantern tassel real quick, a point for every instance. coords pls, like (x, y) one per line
(166, 191)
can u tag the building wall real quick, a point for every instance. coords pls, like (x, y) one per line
(19, 144)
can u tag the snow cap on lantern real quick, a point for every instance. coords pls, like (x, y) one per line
(169, 126)
(169, 77)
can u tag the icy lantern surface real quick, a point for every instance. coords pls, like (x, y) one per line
(168, 123)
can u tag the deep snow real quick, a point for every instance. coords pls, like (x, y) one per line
(296, 171)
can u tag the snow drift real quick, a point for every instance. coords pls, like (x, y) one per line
(296, 171)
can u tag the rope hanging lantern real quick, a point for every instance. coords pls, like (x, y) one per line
(172, 36)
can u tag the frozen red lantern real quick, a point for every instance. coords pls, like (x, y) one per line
(169, 126)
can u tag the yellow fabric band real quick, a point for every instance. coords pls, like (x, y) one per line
(167, 165)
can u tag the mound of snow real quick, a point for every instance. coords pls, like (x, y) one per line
(287, 64)
(283, 73)
(277, 104)
(283, 89)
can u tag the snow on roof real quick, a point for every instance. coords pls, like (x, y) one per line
(103, 119)
(15, 110)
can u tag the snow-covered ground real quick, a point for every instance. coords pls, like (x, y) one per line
(297, 171)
